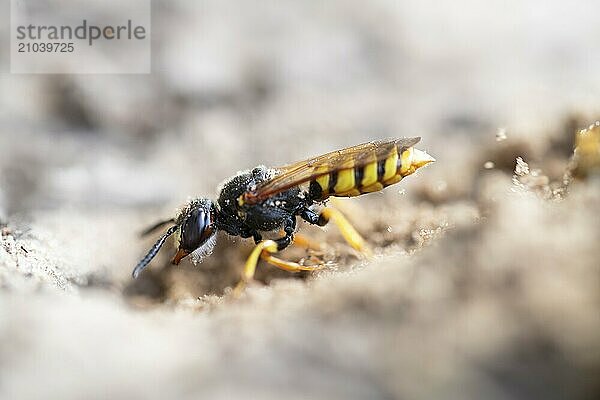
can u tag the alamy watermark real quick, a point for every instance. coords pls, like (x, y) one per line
(79, 36)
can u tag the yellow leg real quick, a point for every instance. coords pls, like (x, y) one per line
(264, 250)
(252, 261)
(288, 265)
(303, 241)
(347, 230)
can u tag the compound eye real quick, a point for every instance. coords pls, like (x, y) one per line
(196, 230)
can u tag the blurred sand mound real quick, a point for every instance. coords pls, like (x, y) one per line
(493, 296)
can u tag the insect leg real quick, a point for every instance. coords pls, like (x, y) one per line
(305, 241)
(250, 267)
(264, 250)
(346, 229)
(288, 228)
(245, 233)
(288, 265)
(309, 216)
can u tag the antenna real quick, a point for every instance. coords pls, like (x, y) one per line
(152, 252)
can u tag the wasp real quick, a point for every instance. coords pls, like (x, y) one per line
(262, 200)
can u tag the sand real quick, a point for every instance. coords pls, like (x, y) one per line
(485, 280)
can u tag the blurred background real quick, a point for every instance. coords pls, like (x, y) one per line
(87, 161)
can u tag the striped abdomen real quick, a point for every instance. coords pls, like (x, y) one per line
(353, 180)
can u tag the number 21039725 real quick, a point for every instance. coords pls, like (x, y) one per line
(45, 47)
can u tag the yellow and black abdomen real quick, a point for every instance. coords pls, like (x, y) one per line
(355, 178)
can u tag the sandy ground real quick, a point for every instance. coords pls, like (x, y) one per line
(485, 283)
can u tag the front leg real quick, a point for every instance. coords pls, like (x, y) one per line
(264, 249)
(246, 233)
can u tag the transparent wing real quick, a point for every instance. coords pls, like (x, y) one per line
(303, 171)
